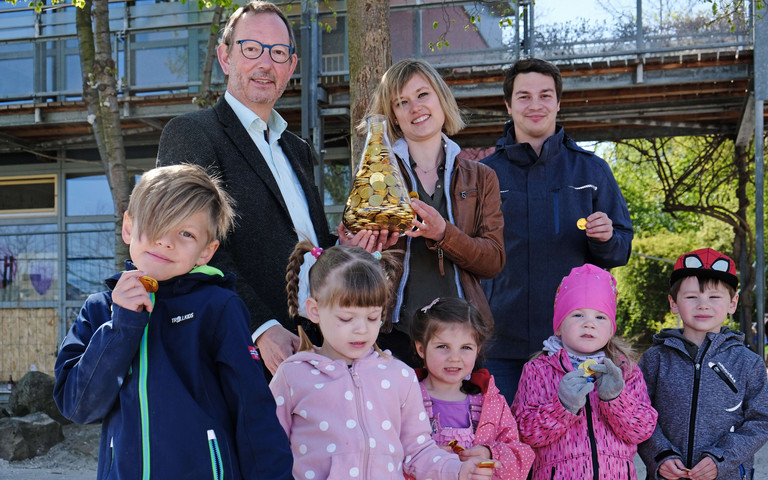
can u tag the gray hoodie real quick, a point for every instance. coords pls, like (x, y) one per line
(711, 401)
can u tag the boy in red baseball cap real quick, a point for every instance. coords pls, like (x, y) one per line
(710, 390)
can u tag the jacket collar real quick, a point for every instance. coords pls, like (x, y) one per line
(673, 338)
(185, 283)
(452, 149)
(522, 153)
(332, 368)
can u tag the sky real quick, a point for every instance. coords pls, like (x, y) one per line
(558, 11)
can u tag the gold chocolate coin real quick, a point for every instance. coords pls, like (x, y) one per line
(374, 150)
(413, 194)
(377, 177)
(586, 365)
(390, 180)
(365, 192)
(581, 224)
(150, 284)
(354, 200)
(375, 200)
(379, 186)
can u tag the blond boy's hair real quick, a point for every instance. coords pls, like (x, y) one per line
(166, 196)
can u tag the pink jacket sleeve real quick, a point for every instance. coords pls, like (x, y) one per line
(423, 458)
(630, 415)
(280, 390)
(541, 418)
(498, 431)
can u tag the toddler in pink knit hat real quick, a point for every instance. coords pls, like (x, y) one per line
(582, 402)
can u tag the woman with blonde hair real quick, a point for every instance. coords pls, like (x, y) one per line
(457, 238)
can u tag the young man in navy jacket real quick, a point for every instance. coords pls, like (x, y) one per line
(562, 208)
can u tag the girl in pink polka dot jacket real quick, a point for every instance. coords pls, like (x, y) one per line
(467, 413)
(350, 410)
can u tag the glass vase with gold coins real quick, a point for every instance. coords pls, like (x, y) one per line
(379, 199)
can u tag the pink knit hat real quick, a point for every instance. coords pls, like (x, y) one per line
(586, 286)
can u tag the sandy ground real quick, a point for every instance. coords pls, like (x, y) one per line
(75, 459)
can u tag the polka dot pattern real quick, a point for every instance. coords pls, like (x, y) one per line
(330, 405)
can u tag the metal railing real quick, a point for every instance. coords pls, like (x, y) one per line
(159, 48)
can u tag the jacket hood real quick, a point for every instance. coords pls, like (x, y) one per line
(184, 283)
(726, 336)
(669, 333)
(329, 367)
(481, 377)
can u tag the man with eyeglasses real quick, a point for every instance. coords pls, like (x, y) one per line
(265, 168)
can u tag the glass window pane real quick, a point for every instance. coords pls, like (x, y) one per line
(34, 194)
(90, 254)
(88, 195)
(17, 77)
(28, 263)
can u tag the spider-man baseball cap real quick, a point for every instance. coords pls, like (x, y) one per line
(707, 263)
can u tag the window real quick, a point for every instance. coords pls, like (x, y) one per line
(90, 258)
(34, 194)
(28, 263)
(88, 194)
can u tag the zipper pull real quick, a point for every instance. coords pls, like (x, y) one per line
(723, 376)
(440, 261)
(355, 378)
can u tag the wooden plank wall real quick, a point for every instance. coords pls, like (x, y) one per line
(28, 336)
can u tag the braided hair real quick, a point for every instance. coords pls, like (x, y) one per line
(343, 276)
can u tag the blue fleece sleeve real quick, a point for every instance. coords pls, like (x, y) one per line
(262, 445)
(615, 252)
(95, 358)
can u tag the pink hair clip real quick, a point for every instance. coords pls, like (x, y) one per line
(316, 251)
(424, 310)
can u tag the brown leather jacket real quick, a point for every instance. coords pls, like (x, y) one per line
(474, 236)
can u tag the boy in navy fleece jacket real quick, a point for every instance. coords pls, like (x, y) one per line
(172, 373)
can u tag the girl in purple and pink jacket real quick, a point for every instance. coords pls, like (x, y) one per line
(582, 403)
(465, 409)
(350, 410)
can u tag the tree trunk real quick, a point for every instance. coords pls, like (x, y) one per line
(370, 54)
(100, 97)
(207, 98)
(743, 245)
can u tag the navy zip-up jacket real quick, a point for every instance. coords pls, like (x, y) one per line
(715, 404)
(542, 197)
(180, 391)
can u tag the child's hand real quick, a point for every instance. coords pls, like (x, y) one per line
(706, 469)
(608, 379)
(446, 448)
(673, 469)
(130, 293)
(471, 471)
(479, 451)
(573, 390)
